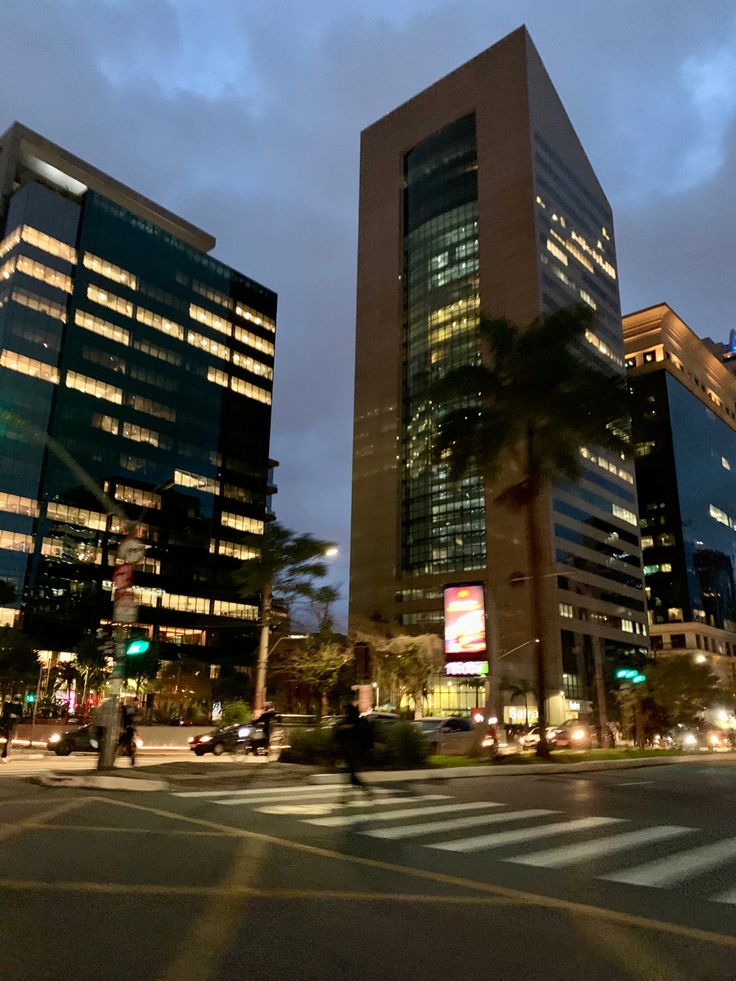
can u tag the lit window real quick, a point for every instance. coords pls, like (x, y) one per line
(150, 407)
(108, 424)
(207, 344)
(105, 299)
(239, 611)
(40, 304)
(243, 387)
(205, 484)
(234, 550)
(109, 270)
(134, 495)
(160, 323)
(47, 244)
(250, 364)
(140, 434)
(217, 376)
(19, 505)
(95, 387)
(252, 340)
(601, 346)
(556, 252)
(157, 352)
(241, 523)
(210, 319)
(9, 242)
(587, 298)
(248, 313)
(76, 516)
(627, 626)
(102, 327)
(28, 366)
(721, 516)
(624, 514)
(37, 270)
(647, 542)
(15, 542)
(566, 610)
(665, 567)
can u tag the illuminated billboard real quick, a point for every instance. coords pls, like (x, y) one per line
(465, 626)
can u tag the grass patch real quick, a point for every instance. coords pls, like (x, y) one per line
(560, 756)
(443, 762)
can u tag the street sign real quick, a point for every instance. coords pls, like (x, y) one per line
(125, 609)
(122, 577)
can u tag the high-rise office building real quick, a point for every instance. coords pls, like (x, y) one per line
(132, 353)
(684, 436)
(476, 195)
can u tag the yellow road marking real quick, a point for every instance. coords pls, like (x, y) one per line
(549, 902)
(17, 827)
(231, 889)
(111, 829)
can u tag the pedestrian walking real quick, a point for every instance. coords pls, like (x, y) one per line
(129, 716)
(355, 735)
(265, 722)
(12, 712)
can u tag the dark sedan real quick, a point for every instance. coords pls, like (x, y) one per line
(240, 737)
(82, 740)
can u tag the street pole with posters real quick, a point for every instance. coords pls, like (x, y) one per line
(125, 612)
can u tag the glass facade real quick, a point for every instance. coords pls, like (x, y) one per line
(443, 526)
(150, 364)
(686, 474)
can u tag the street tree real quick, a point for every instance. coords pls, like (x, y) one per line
(287, 567)
(317, 664)
(92, 664)
(405, 665)
(519, 418)
(681, 689)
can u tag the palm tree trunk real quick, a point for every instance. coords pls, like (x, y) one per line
(535, 566)
(259, 700)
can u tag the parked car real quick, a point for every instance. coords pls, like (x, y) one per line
(530, 739)
(453, 736)
(695, 738)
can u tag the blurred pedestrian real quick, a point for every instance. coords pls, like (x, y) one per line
(355, 735)
(129, 716)
(12, 712)
(265, 722)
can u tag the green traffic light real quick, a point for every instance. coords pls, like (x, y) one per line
(638, 678)
(137, 647)
(30, 697)
(627, 673)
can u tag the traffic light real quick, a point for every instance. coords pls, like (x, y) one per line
(630, 674)
(638, 678)
(137, 646)
(30, 698)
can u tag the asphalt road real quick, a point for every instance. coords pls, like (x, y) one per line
(624, 874)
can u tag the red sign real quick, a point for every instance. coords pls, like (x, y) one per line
(465, 622)
(122, 577)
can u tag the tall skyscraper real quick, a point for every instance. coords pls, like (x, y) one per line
(477, 195)
(134, 354)
(684, 436)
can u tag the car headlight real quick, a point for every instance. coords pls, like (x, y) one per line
(55, 738)
(689, 739)
(139, 742)
(714, 740)
(244, 731)
(205, 739)
(191, 739)
(577, 734)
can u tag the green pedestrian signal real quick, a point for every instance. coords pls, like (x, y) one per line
(626, 674)
(136, 647)
(638, 678)
(30, 698)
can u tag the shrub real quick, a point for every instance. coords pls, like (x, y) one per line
(317, 746)
(232, 712)
(399, 745)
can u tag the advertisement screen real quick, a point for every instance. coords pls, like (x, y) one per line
(465, 623)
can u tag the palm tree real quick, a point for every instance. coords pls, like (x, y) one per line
(286, 567)
(535, 396)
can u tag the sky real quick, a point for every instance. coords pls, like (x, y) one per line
(244, 116)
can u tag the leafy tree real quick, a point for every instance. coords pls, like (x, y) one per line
(519, 689)
(286, 568)
(536, 397)
(234, 712)
(680, 688)
(317, 664)
(143, 667)
(92, 664)
(406, 664)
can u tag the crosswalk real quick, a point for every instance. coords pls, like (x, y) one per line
(593, 843)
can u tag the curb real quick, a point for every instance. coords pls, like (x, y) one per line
(513, 770)
(94, 782)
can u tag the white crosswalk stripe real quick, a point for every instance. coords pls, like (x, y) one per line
(380, 802)
(326, 788)
(677, 868)
(266, 798)
(345, 820)
(432, 827)
(500, 838)
(557, 858)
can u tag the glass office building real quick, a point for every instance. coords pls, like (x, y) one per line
(684, 432)
(134, 364)
(476, 195)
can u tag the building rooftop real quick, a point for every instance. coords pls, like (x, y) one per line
(26, 155)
